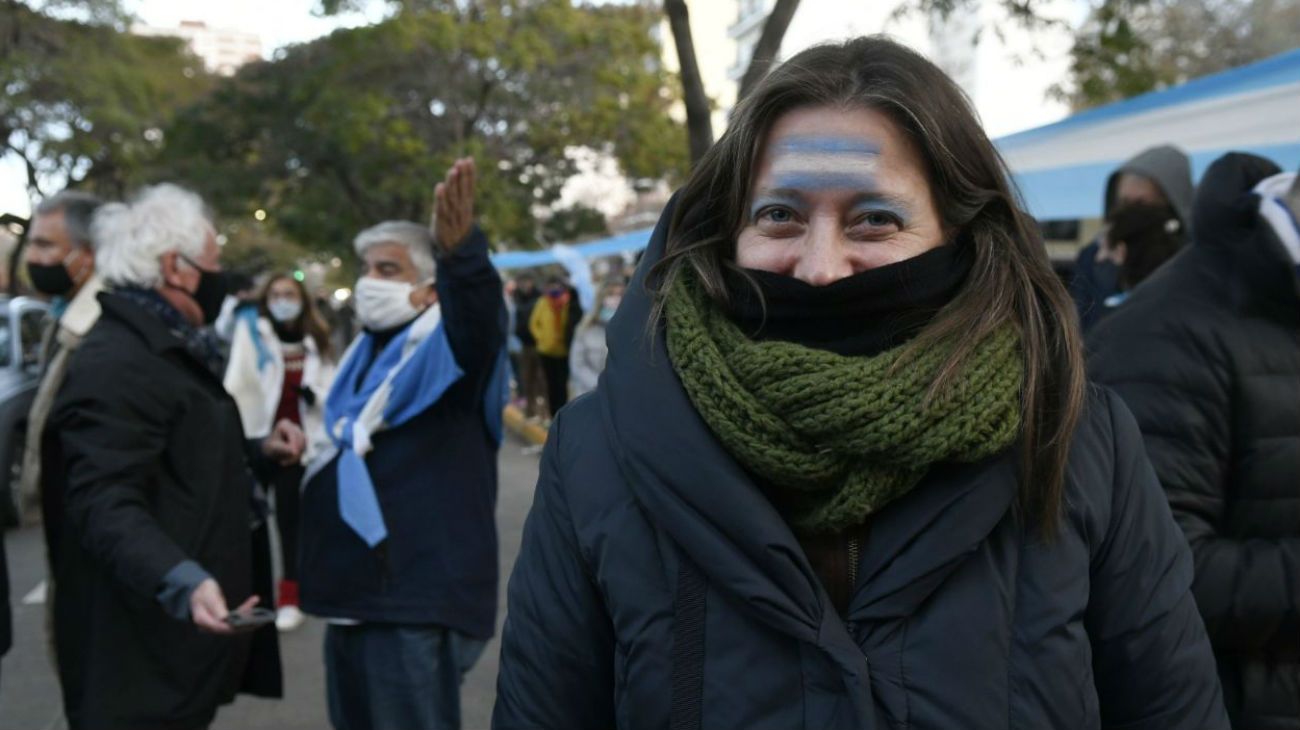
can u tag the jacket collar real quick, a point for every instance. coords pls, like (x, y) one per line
(84, 310)
(155, 333)
(693, 490)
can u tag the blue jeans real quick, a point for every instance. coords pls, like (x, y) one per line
(396, 677)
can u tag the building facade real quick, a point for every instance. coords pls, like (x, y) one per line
(223, 50)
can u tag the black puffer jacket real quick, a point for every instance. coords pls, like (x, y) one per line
(657, 587)
(1207, 355)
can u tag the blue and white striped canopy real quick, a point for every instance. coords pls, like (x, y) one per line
(633, 241)
(1062, 168)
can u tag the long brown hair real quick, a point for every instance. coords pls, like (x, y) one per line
(310, 321)
(1011, 280)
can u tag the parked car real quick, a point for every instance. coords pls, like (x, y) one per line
(23, 322)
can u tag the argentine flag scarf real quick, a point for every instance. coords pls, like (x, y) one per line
(408, 376)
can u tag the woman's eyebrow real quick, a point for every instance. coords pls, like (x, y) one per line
(893, 203)
(790, 198)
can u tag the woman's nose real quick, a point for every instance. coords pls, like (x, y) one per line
(825, 256)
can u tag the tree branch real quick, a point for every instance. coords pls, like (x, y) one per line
(769, 44)
(33, 182)
(699, 123)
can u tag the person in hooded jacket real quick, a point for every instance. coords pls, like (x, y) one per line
(843, 470)
(281, 366)
(1207, 355)
(1139, 239)
(1157, 176)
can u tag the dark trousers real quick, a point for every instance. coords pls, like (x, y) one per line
(532, 382)
(287, 483)
(557, 382)
(396, 677)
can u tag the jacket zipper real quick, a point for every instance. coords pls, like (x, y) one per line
(853, 566)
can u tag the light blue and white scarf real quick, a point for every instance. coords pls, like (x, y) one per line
(408, 376)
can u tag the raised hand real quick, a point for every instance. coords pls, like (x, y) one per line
(454, 205)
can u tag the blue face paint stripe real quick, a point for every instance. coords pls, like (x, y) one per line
(816, 181)
(837, 145)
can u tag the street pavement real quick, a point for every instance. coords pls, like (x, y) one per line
(29, 692)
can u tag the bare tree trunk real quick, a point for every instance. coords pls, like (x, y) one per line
(769, 44)
(699, 122)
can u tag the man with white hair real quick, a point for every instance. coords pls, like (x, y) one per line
(159, 500)
(399, 548)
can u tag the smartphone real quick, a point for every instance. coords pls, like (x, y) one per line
(254, 617)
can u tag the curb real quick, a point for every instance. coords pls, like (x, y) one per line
(530, 432)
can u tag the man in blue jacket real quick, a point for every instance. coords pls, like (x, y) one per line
(399, 545)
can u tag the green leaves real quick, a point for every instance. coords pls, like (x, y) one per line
(1130, 47)
(84, 102)
(357, 127)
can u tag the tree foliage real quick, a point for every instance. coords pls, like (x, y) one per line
(1130, 47)
(355, 128)
(84, 103)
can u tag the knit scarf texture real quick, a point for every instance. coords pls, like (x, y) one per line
(831, 438)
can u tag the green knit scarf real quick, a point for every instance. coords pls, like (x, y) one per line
(835, 438)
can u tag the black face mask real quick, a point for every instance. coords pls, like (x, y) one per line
(862, 315)
(50, 279)
(212, 291)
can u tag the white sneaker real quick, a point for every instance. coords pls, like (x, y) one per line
(288, 618)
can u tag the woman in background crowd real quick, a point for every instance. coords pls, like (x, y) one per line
(587, 359)
(281, 366)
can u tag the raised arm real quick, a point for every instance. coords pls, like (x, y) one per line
(469, 287)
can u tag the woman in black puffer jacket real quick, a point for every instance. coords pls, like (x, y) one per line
(843, 471)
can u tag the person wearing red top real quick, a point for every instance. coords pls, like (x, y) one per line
(281, 367)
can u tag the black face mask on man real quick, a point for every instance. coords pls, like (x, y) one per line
(212, 291)
(53, 279)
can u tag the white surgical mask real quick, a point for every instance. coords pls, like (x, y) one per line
(284, 310)
(383, 305)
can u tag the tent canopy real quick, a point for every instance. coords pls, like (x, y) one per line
(1062, 168)
(633, 241)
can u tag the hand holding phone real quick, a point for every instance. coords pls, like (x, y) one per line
(208, 611)
(253, 618)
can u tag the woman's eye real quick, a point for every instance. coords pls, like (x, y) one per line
(879, 220)
(777, 215)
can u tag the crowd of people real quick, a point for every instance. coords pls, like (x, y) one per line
(848, 452)
(174, 420)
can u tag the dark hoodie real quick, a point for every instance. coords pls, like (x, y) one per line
(1170, 169)
(657, 587)
(1207, 354)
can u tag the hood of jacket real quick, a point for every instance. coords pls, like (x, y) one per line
(694, 491)
(1166, 166)
(1227, 221)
